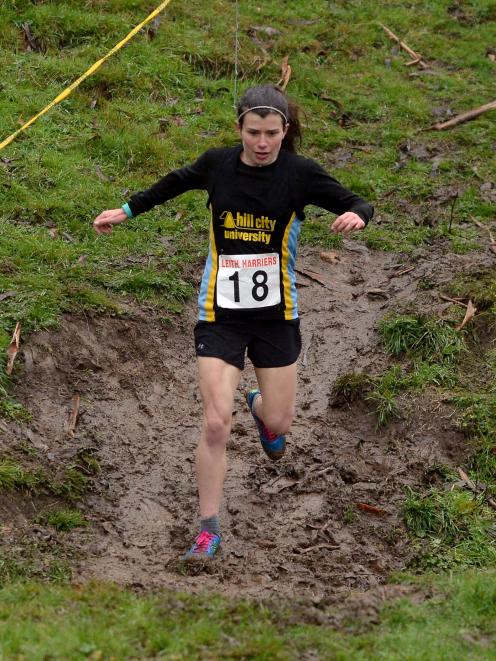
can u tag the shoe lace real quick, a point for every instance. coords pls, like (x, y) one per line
(202, 542)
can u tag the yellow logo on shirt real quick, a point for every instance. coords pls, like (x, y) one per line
(247, 227)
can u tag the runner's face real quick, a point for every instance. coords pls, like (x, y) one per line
(262, 138)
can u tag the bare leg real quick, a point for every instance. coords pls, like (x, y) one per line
(218, 382)
(276, 406)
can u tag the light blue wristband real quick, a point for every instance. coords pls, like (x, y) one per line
(127, 210)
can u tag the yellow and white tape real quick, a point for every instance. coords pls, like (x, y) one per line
(85, 75)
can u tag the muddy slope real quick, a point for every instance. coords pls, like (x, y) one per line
(291, 528)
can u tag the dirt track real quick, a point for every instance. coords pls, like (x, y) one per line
(291, 528)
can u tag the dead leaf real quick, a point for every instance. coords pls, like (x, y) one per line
(330, 257)
(371, 509)
(178, 120)
(53, 232)
(101, 175)
(153, 28)
(13, 348)
(279, 484)
(30, 43)
(285, 72)
(7, 294)
(270, 32)
(469, 315)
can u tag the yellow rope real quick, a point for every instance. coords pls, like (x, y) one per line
(85, 75)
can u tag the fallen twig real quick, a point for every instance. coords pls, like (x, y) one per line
(332, 547)
(73, 416)
(13, 348)
(417, 58)
(465, 116)
(473, 487)
(457, 301)
(402, 272)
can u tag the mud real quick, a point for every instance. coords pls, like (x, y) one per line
(291, 529)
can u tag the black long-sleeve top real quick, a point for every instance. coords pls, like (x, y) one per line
(256, 214)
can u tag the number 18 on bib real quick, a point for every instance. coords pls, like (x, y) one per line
(248, 281)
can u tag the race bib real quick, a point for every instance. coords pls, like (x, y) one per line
(248, 281)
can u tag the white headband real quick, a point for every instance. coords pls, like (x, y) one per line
(267, 108)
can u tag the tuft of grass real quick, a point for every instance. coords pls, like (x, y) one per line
(478, 415)
(87, 462)
(457, 526)
(11, 569)
(421, 336)
(72, 486)
(11, 410)
(63, 520)
(479, 287)
(14, 476)
(350, 387)
(383, 395)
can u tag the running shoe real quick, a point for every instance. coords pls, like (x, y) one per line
(274, 446)
(205, 547)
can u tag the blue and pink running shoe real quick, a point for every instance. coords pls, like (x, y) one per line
(205, 547)
(274, 446)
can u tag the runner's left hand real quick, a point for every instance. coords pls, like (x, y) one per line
(347, 222)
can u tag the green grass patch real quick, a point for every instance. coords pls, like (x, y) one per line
(420, 336)
(11, 410)
(459, 528)
(14, 476)
(70, 482)
(159, 102)
(63, 520)
(478, 415)
(64, 622)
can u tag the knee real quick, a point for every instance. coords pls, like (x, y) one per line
(279, 422)
(216, 427)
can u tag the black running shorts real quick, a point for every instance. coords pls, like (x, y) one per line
(267, 343)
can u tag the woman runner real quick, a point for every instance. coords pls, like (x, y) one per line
(257, 193)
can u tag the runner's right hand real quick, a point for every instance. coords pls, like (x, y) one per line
(103, 223)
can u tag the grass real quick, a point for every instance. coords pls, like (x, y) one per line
(420, 336)
(66, 622)
(68, 482)
(155, 106)
(63, 520)
(134, 119)
(15, 476)
(458, 526)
